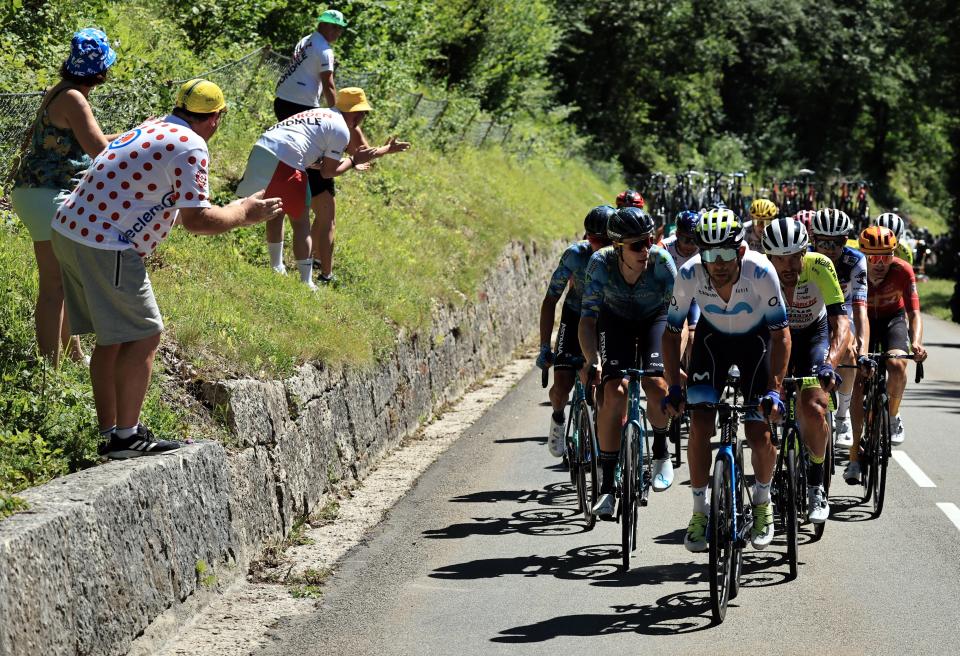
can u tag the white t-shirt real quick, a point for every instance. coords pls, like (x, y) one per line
(304, 138)
(131, 194)
(300, 83)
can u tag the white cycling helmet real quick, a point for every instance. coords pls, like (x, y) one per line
(719, 227)
(892, 222)
(784, 237)
(831, 223)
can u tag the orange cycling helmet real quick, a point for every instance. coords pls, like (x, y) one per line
(877, 240)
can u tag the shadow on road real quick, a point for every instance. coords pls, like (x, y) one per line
(519, 440)
(682, 612)
(849, 508)
(940, 394)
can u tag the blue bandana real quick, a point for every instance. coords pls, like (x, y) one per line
(90, 53)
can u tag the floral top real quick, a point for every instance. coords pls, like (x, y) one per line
(54, 157)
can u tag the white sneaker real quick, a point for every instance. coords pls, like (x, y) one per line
(311, 286)
(844, 434)
(662, 474)
(555, 439)
(818, 508)
(282, 270)
(851, 474)
(762, 534)
(897, 432)
(605, 507)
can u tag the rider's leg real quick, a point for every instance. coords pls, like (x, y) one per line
(814, 431)
(896, 381)
(563, 380)
(763, 455)
(846, 387)
(655, 390)
(611, 409)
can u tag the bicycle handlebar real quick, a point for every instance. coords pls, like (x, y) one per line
(876, 357)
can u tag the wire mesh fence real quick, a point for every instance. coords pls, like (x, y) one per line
(248, 84)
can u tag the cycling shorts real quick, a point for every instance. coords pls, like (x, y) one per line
(568, 339)
(715, 352)
(890, 333)
(284, 109)
(809, 348)
(626, 344)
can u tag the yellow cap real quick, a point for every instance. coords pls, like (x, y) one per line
(352, 99)
(200, 96)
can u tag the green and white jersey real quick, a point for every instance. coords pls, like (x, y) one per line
(817, 294)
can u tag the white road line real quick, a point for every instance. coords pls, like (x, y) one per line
(911, 468)
(952, 512)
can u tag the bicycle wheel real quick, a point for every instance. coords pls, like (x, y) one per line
(880, 458)
(587, 480)
(570, 445)
(827, 475)
(740, 493)
(790, 509)
(628, 478)
(720, 540)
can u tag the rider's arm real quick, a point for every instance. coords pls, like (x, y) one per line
(839, 334)
(587, 332)
(548, 311)
(590, 304)
(677, 312)
(779, 357)
(775, 314)
(861, 325)
(911, 302)
(915, 323)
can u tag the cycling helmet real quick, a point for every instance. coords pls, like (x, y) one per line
(762, 209)
(805, 217)
(630, 198)
(831, 223)
(719, 228)
(629, 222)
(595, 222)
(877, 240)
(892, 222)
(687, 221)
(784, 237)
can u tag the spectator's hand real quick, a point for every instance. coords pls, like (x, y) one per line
(363, 155)
(365, 166)
(919, 353)
(260, 209)
(394, 146)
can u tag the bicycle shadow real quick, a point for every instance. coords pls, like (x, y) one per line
(673, 614)
(520, 440)
(847, 509)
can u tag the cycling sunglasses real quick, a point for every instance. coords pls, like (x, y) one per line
(723, 254)
(879, 259)
(829, 244)
(638, 246)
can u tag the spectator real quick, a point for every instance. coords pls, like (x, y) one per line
(64, 137)
(308, 78)
(145, 182)
(310, 141)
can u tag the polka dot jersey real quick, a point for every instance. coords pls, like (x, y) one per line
(130, 196)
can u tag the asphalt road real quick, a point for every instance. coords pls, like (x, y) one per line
(487, 555)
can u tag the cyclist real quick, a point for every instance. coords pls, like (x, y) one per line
(819, 332)
(893, 309)
(742, 322)
(630, 198)
(622, 317)
(682, 245)
(830, 229)
(806, 218)
(898, 227)
(571, 270)
(762, 211)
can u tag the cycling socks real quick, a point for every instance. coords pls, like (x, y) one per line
(276, 254)
(660, 443)
(843, 405)
(815, 471)
(608, 465)
(559, 417)
(305, 267)
(124, 433)
(701, 504)
(761, 492)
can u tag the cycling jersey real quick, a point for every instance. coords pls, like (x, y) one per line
(897, 291)
(670, 244)
(755, 302)
(605, 287)
(851, 268)
(572, 267)
(817, 293)
(904, 252)
(752, 238)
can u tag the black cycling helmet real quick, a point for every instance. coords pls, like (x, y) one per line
(629, 222)
(595, 222)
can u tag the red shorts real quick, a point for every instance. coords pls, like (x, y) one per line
(290, 186)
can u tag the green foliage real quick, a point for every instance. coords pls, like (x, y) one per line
(10, 504)
(935, 295)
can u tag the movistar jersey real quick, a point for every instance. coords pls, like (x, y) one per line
(756, 300)
(606, 288)
(572, 268)
(817, 293)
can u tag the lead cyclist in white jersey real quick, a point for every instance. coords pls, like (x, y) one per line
(742, 322)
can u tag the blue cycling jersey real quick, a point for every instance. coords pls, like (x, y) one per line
(756, 299)
(851, 270)
(606, 288)
(572, 267)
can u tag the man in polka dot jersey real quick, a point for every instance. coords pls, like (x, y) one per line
(125, 205)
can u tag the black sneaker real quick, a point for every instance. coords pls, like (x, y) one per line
(141, 443)
(326, 280)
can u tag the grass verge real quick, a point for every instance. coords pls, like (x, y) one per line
(935, 295)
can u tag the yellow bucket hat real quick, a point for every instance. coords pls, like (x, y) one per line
(200, 96)
(352, 99)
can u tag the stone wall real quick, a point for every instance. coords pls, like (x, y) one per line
(103, 552)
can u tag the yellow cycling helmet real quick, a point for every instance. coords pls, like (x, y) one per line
(763, 209)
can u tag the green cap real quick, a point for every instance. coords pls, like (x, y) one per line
(332, 16)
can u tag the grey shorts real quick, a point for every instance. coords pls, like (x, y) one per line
(107, 293)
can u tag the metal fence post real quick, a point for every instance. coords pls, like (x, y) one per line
(506, 134)
(489, 127)
(264, 52)
(436, 119)
(463, 133)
